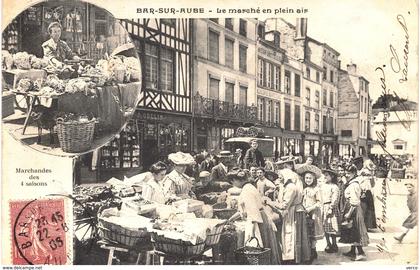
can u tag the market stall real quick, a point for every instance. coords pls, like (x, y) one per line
(98, 97)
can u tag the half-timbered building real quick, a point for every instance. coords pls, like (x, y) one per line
(163, 117)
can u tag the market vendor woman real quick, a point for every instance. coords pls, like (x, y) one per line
(55, 49)
(177, 183)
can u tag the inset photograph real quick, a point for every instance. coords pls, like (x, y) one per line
(70, 76)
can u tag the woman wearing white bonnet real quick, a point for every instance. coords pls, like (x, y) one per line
(177, 182)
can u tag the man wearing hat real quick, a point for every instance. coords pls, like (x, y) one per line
(219, 172)
(411, 221)
(253, 156)
(55, 49)
(239, 158)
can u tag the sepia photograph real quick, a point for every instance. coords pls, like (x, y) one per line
(70, 76)
(252, 143)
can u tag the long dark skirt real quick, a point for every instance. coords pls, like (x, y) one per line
(269, 238)
(368, 207)
(303, 244)
(356, 235)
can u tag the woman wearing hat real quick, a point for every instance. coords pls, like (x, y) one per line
(353, 230)
(294, 231)
(367, 182)
(251, 208)
(177, 183)
(56, 50)
(330, 194)
(312, 204)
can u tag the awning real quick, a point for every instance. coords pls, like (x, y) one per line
(289, 135)
(312, 137)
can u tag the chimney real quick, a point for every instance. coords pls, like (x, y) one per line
(301, 28)
(352, 69)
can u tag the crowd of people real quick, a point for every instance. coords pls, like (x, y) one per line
(290, 206)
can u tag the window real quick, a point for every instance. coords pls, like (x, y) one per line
(398, 147)
(229, 23)
(261, 31)
(243, 95)
(287, 116)
(242, 58)
(324, 124)
(307, 121)
(308, 73)
(260, 109)
(361, 127)
(287, 81)
(331, 99)
(269, 116)
(269, 75)
(366, 105)
(242, 27)
(324, 74)
(166, 69)
(214, 20)
(346, 133)
(331, 76)
(214, 88)
(317, 76)
(297, 85)
(277, 113)
(361, 104)
(331, 125)
(261, 67)
(229, 52)
(308, 96)
(316, 127)
(213, 46)
(324, 97)
(276, 39)
(297, 117)
(229, 92)
(152, 60)
(276, 78)
(317, 98)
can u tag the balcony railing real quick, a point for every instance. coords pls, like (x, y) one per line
(218, 109)
(266, 123)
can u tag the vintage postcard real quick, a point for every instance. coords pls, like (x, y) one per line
(222, 133)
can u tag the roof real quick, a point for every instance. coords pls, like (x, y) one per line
(324, 44)
(398, 141)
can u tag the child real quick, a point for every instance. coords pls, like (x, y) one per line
(312, 204)
(411, 221)
(330, 194)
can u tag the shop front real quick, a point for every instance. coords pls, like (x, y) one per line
(328, 148)
(312, 143)
(277, 135)
(292, 144)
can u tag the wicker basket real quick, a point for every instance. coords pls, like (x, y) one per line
(75, 137)
(224, 213)
(118, 234)
(213, 236)
(381, 173)
(177, 247)
(253, 255)
(398, 173)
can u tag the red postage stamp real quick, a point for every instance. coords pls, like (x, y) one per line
(38, 232)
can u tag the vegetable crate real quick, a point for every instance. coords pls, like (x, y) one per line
(7, 108)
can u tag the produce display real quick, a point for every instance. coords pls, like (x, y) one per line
(89, 199)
